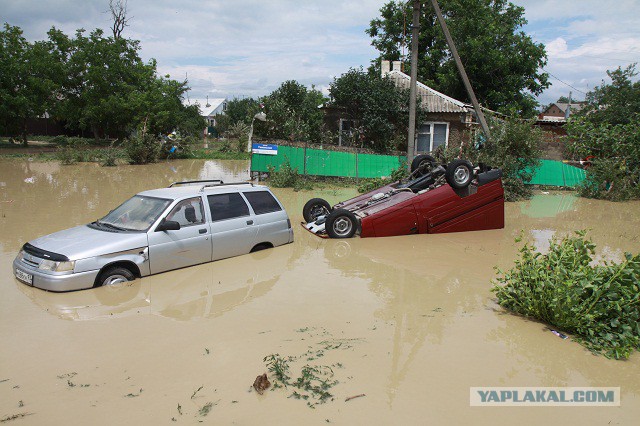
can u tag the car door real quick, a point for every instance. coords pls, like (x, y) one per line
(189, 245)
(233, 231)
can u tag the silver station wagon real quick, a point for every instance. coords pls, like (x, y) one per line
(155, 231)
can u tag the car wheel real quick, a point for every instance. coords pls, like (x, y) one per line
(459, 174)
(314, 208)
(114, 275)
(341, 223)
(424, 162)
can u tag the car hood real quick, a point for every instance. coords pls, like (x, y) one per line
(82, 242)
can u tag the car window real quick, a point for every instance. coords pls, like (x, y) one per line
(136, 214)
(262, 202)
(187, 212)
(227, 206)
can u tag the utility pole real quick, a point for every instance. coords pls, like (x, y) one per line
(463, 74)
(415, 33)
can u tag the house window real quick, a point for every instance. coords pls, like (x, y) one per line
(431, 135)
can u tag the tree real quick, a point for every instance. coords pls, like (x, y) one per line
(106, 88)
(376, 103)
(237, 111)
(608, 130)
(26, 81)
(293, 113)
(502, 62)
(118, 10)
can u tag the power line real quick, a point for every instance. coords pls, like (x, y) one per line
(567, 84)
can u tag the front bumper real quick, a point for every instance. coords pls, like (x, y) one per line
(56, 282)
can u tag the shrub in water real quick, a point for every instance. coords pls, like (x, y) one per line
(599, 305)
(371, 184)
(142, 149)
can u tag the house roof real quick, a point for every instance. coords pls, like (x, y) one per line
(432, 100)
(206, 106)
(563, 106)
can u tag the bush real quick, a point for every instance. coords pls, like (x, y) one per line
(615, 171)
(224, 145)
(599, 304)
(109, 157)
(72, 151)
(368, 185)
(287, 177)
(514, 147)
(610, 179)
(142, 149)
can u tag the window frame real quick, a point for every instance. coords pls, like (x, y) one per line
(431, 125)
(246, 204)
(190, 199)
(277, 203)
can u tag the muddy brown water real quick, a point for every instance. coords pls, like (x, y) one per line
(408, 321)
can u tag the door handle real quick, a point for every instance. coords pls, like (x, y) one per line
(250, 222)
(202, 231)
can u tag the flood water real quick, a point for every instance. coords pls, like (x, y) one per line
(408, 321)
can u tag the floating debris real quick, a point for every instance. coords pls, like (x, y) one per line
(261, 383)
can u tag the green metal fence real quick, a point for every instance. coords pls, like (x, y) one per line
(319, 162)
(557, 173)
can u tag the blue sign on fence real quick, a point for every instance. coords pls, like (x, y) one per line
(262, 148)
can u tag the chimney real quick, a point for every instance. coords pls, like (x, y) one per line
(385, 66)
(397, 66)
(568, 111)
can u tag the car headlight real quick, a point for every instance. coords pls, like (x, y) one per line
(20, 255)
(51, 265)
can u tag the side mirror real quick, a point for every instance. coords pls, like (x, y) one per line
(168, 225)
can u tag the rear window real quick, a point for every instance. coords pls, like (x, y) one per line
(262, 202)
(227, 206)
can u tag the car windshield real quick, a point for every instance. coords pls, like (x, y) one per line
(135, 214)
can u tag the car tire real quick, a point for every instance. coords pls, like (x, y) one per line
(342, 223)
(424, 162)
(459, 174)
(315, 208)
(114, 275)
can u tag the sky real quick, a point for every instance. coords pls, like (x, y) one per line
(239, 48)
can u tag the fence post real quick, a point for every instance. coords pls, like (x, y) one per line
(304, 160)
(357, 174)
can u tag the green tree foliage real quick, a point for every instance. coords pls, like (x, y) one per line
(502, 62)
(27, 84)
(293, 113)
(608, 129)
(91, 82)
(237, 111)
(514, 148)
(376, 103)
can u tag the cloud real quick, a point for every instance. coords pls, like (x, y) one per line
(244, 47)
(249, 47)
(583, 40)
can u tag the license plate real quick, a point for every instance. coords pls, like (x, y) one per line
(24, 277)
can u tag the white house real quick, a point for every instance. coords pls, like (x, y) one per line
(209, 108)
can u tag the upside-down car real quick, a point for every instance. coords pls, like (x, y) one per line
(434, 199)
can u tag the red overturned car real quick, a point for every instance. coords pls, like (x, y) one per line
(434, 199)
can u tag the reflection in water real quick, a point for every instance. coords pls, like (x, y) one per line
(549, 205)
(202, 291)
(426, 283)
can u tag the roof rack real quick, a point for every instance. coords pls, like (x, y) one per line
(224, 184)
(187, 182)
